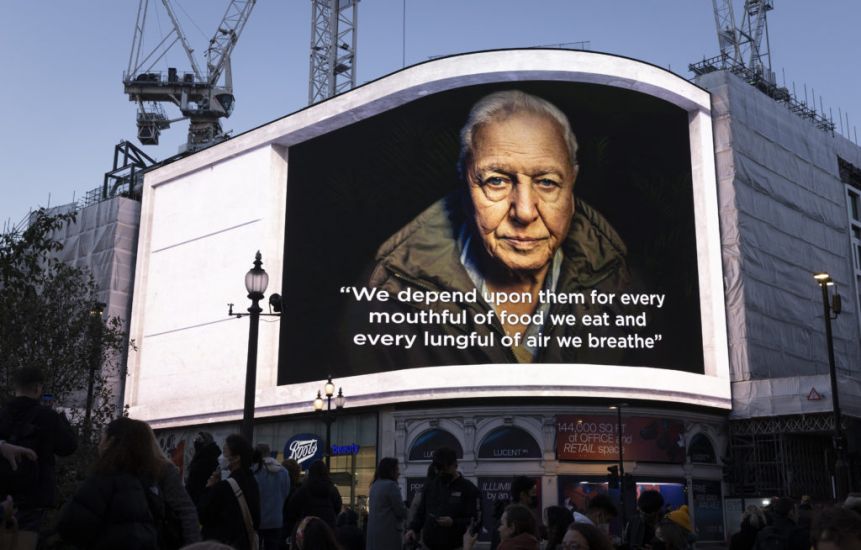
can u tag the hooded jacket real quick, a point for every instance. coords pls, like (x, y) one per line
(425, 256)
(274, 484)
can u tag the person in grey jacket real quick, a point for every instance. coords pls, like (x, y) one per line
(387, 513)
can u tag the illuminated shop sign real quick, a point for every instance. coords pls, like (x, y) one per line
(509, 442)
(646, 439)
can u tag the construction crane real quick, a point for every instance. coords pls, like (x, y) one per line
(202, 98)
(742, 45)
(333, 48)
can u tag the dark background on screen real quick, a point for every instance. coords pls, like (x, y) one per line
(350, 189)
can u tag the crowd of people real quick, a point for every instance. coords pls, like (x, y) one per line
(239, 496)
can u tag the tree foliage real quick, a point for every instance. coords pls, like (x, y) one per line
(50, 320)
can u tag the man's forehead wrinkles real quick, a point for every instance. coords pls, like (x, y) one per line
(511, 169)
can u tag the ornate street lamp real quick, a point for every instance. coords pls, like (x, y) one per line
(256, 281)
(328, 414)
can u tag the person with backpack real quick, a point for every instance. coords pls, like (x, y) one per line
(25, 422)
(782, 533)
(133, 499)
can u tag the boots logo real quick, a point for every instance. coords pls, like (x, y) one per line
(302, 450)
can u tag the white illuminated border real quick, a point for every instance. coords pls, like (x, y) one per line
(711, 389)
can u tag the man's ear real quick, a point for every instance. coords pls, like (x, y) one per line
(575, 170)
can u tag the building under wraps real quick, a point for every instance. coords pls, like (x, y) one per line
(726, 203)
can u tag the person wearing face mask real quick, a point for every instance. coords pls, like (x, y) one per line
(524, 492)
(224, 501)
(202, 464)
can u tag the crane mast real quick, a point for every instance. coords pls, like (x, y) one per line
(333, 48)
(742, 44)
(202, 98)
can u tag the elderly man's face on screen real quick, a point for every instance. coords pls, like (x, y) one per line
(521, 180)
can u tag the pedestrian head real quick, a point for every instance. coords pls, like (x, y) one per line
(444, 460)
(347, 518)
(753, 517)
(601, 509)
(238, 452)
(318, 470)
(293, 469)
(313, 533)
(523, 491)
(782, 507)
(261, 453)
(129, 446)
(387, 469)
(515, 520)
(28, 382)
(583, 536)
(650, 502)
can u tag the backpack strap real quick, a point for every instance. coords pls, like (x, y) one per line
(246, 514)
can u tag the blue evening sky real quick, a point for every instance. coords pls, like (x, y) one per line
(63, 109)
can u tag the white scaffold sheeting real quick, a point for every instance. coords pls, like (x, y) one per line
(104, 239)
(783, 217)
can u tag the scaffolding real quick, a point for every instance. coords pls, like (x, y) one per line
(783, 456)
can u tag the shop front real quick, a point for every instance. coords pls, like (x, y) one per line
(572, 454)
(353, 447)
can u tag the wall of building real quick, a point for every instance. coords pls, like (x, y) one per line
(783, 217)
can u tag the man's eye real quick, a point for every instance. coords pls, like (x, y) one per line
(546, 182)
(494, 181)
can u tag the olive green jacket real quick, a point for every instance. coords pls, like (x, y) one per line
(425, 255)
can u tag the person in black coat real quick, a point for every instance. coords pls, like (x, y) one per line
(220, 513)
(111, 508)
(24, 421)
(203, 463)
(449, 505)
(317, 496)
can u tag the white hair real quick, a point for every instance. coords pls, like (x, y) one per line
(500, 105)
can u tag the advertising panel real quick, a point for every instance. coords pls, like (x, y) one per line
(646, 439)
(408, 246)
(495, 496)
(708, 512)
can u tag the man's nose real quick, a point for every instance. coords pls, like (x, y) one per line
(524, 201)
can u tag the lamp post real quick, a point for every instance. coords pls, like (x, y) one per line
(618, 408)
(96, 328)
(841, 465)
(328, 417)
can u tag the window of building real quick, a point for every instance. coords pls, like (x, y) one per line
(851, 176)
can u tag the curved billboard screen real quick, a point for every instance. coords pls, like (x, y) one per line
(521, 219)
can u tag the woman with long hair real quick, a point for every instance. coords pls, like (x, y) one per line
(112, 509)
(387, 510)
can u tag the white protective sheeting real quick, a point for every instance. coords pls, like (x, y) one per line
(783, 217)
(103, 240)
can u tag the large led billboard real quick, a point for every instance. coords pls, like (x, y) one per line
(553, 224)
